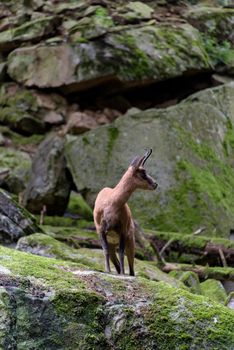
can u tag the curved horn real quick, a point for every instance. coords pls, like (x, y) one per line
(146, 156)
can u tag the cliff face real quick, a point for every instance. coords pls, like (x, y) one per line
(84, 87)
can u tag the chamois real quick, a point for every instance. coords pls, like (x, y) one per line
(113, 218)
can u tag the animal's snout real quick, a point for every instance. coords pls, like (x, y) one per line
(155, 185)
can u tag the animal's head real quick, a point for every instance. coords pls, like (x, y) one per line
(140, 177)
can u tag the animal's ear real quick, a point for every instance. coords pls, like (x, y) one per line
(136, 162)
(139, 161)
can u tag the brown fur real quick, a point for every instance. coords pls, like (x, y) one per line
(113, 218)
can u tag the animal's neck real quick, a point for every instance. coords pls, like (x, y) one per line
(123, 189)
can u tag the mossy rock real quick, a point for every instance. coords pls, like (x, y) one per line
(25, 111)
(135, 10)
(14, 168)
(216, 25)
(189, 278)
(147, 53)
(214, 290)
(190, 162)
(23, 123)
(96, 22)
(62, 305)
(44, 245)
(29, 31)
(18, 109)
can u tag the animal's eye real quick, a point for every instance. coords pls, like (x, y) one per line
(143, 174)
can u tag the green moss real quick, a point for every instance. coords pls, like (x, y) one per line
(27, 31)
(102, 17)
(203, 187)
(47, 270)
(191, 313)
(137, 64)
(113, 134)
(214, 290)
(219, 53)
(23, 99)
(20, 140)
(78, 206)
(62, 221)
(60, 232)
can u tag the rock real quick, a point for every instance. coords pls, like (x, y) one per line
(214, 290)
(17, 110)
(43, 66)
(189, 278)
(216, 22)
(2, 71)
(63, 305)
(53, 118)
(135, 10)
(148, 53)
(29, 31)
(44, 245)
(5, 315)
(15, 221)
(79, 123)
(192, 161)
(29, 111)
(14, 170)
(96, 22)
(48, 184)
(230, 301)
(216, 26)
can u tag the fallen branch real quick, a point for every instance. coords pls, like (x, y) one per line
(222, 257)
(214, 251)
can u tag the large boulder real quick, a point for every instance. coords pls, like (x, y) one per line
(15, 221)
(49, 184)
(149, 53)
(51, 304)
(192, 161)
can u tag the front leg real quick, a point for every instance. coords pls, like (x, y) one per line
(105, 248)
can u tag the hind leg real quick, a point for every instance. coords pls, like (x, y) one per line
(130, 252)
(114, 259)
